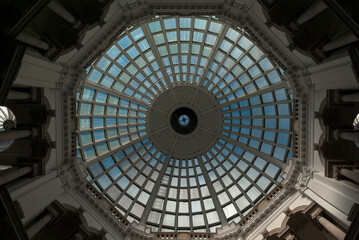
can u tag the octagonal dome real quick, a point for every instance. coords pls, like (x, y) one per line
(184, 123)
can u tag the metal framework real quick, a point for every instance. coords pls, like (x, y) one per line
(148, 185)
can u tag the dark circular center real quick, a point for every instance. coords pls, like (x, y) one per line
(8, 124)
(184, 120)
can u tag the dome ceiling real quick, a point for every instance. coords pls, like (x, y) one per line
(184, 123)
(7, 122)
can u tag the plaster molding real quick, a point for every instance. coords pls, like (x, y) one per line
(303, 76)
(304, 177)
(66, 178)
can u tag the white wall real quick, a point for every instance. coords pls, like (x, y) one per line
(34, 195)
(314, 131)
(37, 71)
(336, 73)
(334, 196)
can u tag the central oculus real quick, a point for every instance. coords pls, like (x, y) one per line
(184, 120)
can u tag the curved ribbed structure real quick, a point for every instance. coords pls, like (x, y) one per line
(175, 169)
(7, 121)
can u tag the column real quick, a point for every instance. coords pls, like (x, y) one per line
(334, 230)
(38, 226)
(17, 95)
(313, 10)
(351, 136)
(14, 134)
(32, 40)
(13, 173)
(350, 97)
(340, 42)
(56, 7)
(354, 176)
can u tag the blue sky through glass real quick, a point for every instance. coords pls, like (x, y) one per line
(257, 117)
(183, 120)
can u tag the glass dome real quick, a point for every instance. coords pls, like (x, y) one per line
(7, 122)
(184, 123)
(356, 122)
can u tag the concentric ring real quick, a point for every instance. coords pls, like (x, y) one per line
(184, 120)
(184, 140)
(216, 173)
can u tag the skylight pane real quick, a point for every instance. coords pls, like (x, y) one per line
(113, 52)
(232, 34)
(155, 26)
(170, 23)
(185, 22)
(215, 27)
(124, 42)
(200, 23)
(137, 33)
